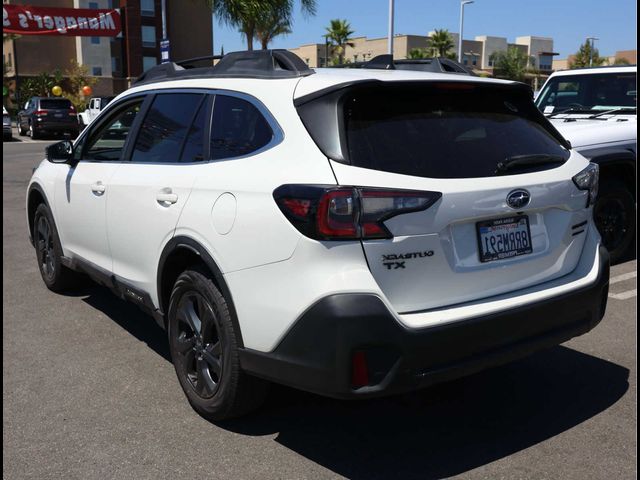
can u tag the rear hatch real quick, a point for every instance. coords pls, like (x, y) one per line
(56, 110)
(509, 216)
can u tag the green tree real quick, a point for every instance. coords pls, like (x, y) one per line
(270, 26)
(441, 44)
(247, 15)
(77, 77)
(339, 35)
(418, 53)
(38, 86)
(587, 56)
(621, 61)
(511, 64)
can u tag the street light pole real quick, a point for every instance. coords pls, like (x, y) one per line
(593, 39)
(390, 39)
(462, 4)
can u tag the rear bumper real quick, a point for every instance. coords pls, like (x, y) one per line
(316, 355)
(57, 127)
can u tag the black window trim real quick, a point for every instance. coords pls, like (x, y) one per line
(107, 117)
(276, 139)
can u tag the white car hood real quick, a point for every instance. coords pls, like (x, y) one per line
(582, 132)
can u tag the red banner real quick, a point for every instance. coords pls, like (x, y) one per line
(27, 20)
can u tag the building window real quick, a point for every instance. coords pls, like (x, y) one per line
(148, 62)
(96, 71)
(147, 8)
(95, 40)
(148, 36)
(115, 64)
(93, 5)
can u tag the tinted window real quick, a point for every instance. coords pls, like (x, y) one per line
(165, 127)
(589, 92)
(52, 103)
(107, 142)
(238, 128)
(445, 130)
(193, 150)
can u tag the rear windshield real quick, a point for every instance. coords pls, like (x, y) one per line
(445, 130)
(55, 103)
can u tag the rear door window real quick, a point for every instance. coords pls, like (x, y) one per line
(238, 128)
(444, 130)
(165, 127)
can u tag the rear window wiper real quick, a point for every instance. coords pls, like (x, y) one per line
(613, 111)
(516, 161)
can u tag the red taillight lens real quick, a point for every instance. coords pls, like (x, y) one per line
(347, 213)
(337, 214)
(41, 112)
(72, 111)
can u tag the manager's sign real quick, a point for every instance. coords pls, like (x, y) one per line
(27, 20)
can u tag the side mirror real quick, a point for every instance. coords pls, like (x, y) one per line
(60, 152)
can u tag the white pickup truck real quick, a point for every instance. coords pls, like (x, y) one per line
(96, 104)
(595, 109)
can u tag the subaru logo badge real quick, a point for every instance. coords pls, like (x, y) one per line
(518, 199)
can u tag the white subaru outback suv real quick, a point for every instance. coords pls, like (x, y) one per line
(352, 233)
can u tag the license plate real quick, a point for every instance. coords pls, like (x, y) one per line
(57, 115)
(504, 238)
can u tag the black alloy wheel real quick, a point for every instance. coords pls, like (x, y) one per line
(198, 344)
(45, 250)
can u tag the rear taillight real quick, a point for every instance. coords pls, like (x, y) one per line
(41, 112)
(347, 213)
(587, 179)
(72, 111)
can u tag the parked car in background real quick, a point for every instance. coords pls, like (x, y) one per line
(48, 115)
(595, 109)
(96, 104)
(6, 125)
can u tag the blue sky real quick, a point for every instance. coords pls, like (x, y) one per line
(568, 22)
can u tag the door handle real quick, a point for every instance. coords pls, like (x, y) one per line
(98, 188)
(167, 197)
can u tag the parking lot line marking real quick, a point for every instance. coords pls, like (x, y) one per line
(622, 278)
(624, 295)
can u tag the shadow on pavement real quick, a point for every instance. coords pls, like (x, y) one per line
(445, 430)
(439, 432)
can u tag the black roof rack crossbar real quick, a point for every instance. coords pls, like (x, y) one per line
(268, 64)
(434, 64)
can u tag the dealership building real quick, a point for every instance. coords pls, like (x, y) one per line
(114, 60)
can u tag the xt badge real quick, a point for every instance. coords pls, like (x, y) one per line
(396, 261)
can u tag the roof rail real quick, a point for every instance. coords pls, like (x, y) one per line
(434, 64)
(267, 64)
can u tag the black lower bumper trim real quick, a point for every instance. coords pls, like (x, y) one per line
(317, 352)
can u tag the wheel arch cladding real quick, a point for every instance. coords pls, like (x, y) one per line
(35, 197)
(179, 254)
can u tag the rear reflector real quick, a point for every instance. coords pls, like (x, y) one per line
(359, 370)
(347, 213)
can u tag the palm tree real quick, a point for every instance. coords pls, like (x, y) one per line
(339, 35)
(441, 43)
(511, 64)
(271, 26)
(418, 53)
(248, 14)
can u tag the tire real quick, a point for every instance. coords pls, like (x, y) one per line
(33, 133)
(56, 276)
(204, 349)
(615, 216)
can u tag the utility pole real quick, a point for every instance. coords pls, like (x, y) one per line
(462, 4)
(593, 39)
(390, 39)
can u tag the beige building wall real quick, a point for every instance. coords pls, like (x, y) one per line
(537, 47)
(490, 45)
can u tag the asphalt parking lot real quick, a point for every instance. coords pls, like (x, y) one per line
(89, 393)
